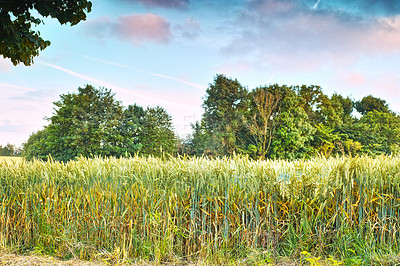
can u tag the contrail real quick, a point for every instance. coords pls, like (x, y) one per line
(316, 4)
(109, 85)
(178, 80)
(97, 81)
(142, 71)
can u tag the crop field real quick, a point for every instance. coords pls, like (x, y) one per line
(229, 210)
(10, 158)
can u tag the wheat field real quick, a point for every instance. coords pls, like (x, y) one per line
(217, 210)
(10, 158)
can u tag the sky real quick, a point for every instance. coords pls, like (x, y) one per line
(167, 52)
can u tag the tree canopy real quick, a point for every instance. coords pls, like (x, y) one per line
(272, 121)
(9, 150)
(371, 103)
(92, 122)
(279, 121)
(224, 105)
(21, 43)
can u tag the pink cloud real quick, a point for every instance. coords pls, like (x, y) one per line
(136, 29)
(283, 35)
(140, 28)
(355, 79)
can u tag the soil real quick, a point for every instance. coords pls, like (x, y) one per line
(35, 260)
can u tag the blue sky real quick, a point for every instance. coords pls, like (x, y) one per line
(159, 52)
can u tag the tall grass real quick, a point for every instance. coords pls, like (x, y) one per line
(213, 209)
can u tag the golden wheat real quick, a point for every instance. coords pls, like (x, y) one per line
(177, 208)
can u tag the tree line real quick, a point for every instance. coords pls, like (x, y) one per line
(10, 150)
(92, 122)
(272, 121)
(279, 121)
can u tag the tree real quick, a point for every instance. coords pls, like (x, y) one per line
(17, 39)
(371, 103)
(224, 107)
(91, 122)
(37, 145)
(263, 107)
(293, 130)
(344, 106)
(325, 140)
(381, 132)
(318, 106)
(157, 135)
(9, 150)
(131, 128)
(198, 141)
(85, 123)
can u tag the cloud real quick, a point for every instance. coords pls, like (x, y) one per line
(136, 29)
(355, 79)
(5, 65)
(373, 8)
(140, 28)
(190, 28)
(179, 4)
(292, 36)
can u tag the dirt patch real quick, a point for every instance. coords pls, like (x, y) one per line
(13, 259)
(35, 260)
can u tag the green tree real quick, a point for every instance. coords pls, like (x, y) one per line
(371, 103)
(326, 115)
(325, 140)
(37, 145)
(259, 121)
(293, 130)
(344, 107)
(319, 108)
(198, 141)
(84, 123)
(18, 41)
(131, 128)
(381, 132)
(9, 150)
(224, 106)
(157, 135)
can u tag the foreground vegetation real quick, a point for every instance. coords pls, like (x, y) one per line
(216, 210)
(10, 159)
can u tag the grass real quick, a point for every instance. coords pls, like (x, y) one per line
(221, 211)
